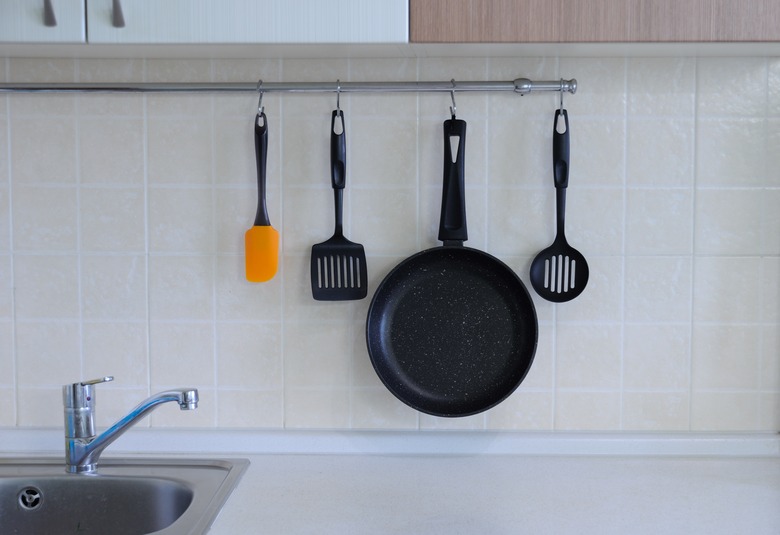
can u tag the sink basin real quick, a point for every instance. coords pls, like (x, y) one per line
(125, 497)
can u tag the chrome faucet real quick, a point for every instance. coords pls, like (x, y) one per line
(82, 446)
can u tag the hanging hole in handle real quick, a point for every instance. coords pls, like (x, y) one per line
(560, 124)
(454, 146)
(338, 126)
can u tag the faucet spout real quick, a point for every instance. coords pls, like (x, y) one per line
(82, 447)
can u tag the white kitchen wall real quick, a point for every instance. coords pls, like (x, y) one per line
(122, 221)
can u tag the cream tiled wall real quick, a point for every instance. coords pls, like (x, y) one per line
(122, 221)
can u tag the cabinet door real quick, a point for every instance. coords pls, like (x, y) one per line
(22, 21)
(251, 21)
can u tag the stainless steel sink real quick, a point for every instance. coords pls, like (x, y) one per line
(126, 496)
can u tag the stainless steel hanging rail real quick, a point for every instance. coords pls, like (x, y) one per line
(522, 86)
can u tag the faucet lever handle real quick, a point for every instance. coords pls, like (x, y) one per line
(106, 379)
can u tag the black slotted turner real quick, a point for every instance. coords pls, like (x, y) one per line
(338, 266)
(559, 273)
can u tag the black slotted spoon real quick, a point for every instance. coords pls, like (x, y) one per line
(338, 266)
(560, 273)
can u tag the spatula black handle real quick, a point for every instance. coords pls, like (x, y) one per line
(261, 151)
(338, 150)
(338, 166)
(452, 224)
(561, 149)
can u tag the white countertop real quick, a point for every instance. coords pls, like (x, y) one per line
(504, 494)
(353, 482)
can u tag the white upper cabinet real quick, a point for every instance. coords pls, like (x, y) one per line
(249, 21)
(30, 21)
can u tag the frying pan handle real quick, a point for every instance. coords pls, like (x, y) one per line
(452, 225)
(338, 150)
(561, 150)
(261, 152)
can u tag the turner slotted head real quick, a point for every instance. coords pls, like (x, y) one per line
(560, 272)
(338, 266)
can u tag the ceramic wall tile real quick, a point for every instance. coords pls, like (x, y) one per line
(122, 219)
(722, 411)
(7, 373)
(113, 287)
(250, 409)
(46, 287)
(117, 348)
(43, 150)
(45, 218)
(8, 399)
(5, 219)
(659, 221)
(181, 354)
(662, 86)
(663, 365)
(181, 220)
(111, 151)
(250, 356)
(658, 289)
(6, 288)
(47, 354)
(660, 152)
(181, 287)
(732, 86)
(112, 219)
(654, 411)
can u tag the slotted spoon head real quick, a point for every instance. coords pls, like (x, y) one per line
(338, 270)
(560, 272)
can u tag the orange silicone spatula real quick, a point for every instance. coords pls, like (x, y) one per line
(261, 242)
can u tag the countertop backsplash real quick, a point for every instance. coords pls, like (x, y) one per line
(122, 220)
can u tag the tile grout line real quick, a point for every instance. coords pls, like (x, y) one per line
(79, 259)
(624, 222)
(12, 259)
(692, 268)
(145, 148)
(214, 255)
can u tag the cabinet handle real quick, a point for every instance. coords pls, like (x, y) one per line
(48, 14)
(117, 17)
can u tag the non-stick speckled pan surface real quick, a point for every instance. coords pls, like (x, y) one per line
(451, 331)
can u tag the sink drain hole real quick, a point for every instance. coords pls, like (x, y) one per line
(30, 498)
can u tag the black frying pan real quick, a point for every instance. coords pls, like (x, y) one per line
(451, 331)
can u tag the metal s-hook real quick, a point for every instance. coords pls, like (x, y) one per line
(338, 95)
(260, 108)
(453, 108)
(561, 93)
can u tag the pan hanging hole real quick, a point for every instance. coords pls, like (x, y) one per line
(454, 146)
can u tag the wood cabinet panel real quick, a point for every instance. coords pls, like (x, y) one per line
(587, 21)
(670, 20)
(594, 21)
(749, 20)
